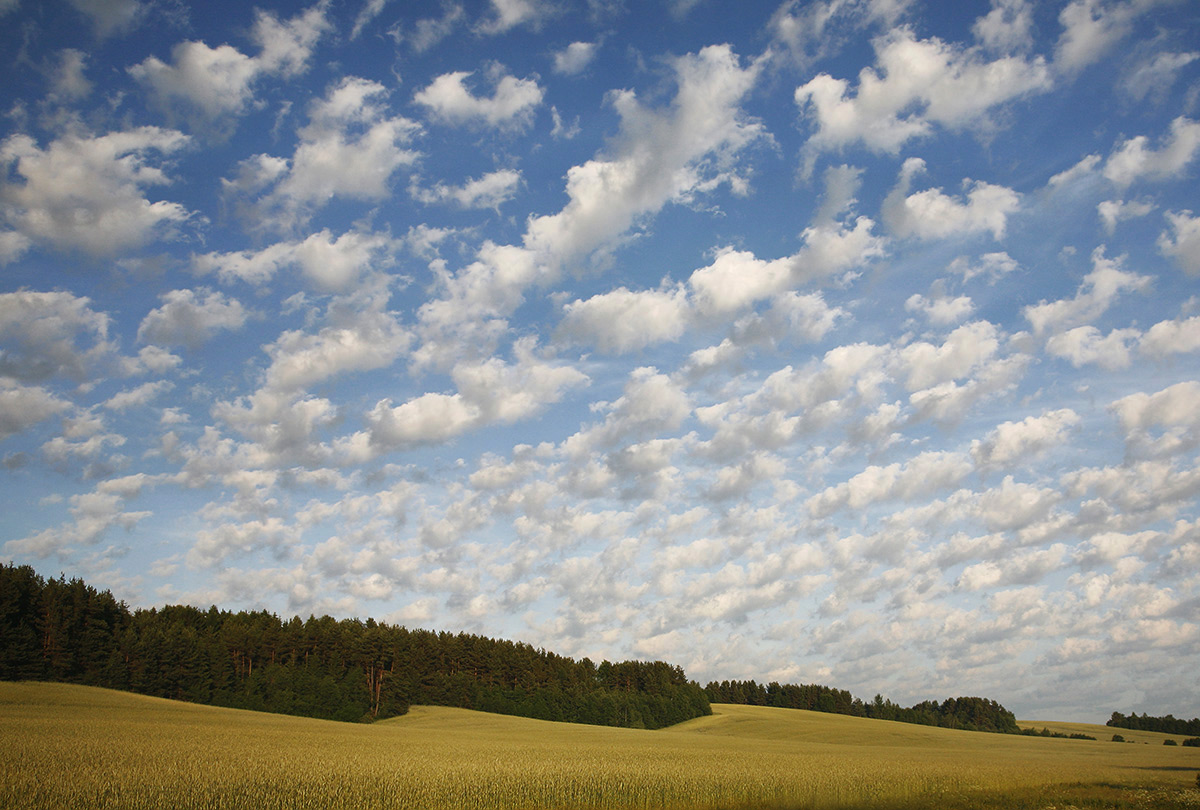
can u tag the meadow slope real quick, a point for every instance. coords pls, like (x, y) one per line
(76, 747)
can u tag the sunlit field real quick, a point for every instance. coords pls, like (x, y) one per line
(78, 747)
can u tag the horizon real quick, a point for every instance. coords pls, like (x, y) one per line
(854, 342)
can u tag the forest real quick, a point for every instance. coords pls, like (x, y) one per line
(349, 669)
(352, 669)
(1168, 724)
(969, 713)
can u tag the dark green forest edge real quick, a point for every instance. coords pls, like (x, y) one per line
(349, 669)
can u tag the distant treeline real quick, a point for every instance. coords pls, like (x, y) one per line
(66, 630)
(970, 713)
(1168, 724)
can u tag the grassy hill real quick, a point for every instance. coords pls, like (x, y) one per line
(76, 747)
(1101, 732)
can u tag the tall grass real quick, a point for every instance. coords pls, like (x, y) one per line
(75, 747)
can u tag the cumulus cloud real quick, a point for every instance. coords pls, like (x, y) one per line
(350, 148)
(1007, 27)
(621, 321)
(87, 193)
(93, 514)
(210, 87)
(1114, 211)
(330, 263)
(110, 17)
(1154, 75)
(1171, 337)
(964, 350)
(489, 191)
(508, 14)
(511, 104)
(1090, 29)
(915, 85)
(1099, 289)
(489, 392)
(191, 317)
(922, 475)
(661, 154)
(574, 58)
(1010, 442)
(23, 406)
(1085, 345)
(50, 334)
(1182, 242)
(1132, 160)
(931, 214)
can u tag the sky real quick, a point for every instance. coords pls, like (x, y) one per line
(853, 342)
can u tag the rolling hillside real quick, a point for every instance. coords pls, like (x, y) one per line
(74, 746)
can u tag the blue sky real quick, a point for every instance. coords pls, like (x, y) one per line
(851, 342)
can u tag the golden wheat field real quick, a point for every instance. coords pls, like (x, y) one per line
(78, 747)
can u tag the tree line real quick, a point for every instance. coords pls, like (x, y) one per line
(969, 713)
(349, 669)
(1168, 724)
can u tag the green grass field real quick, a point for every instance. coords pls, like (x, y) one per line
(67, 746)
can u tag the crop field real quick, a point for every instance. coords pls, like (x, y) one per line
(67, 746)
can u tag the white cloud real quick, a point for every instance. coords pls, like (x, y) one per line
(1183, 242)
(931, 214)
(68, 81)
(964, 350)
(511, 104)
(1090, 29)
(1155, 75)
(990, 265)
(111, 16)
(574, 58)
(941, 310)
(1095, 295)
(429, 31)
(1175, 407)
(488, 393)
(86, 193)
(489, 191)
(350, 148)
(93, 514)
(661, 155)
(508, 14)
(1010, 442)
(190, 317)
(299, 360)
(921, 475)
(1085, 344)
(915, 85)
(622, 321)
(23, 406)
(1007, 28)
(139, 396)
(49, 334)
(1113, 211)
(1171, 337)
(208, 84)
(1133, 161)
(331, 264)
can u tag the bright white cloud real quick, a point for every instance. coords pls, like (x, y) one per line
(574, 58)
(1182, 242)
(622, 321)
(1013, 441)
(931, 214)
(1099, 289)
(489, 191)
(511, 104)
(50, 334)
(191, 317)
(915, 85)
(87, 193)
(350, 148)
(1133, 161)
